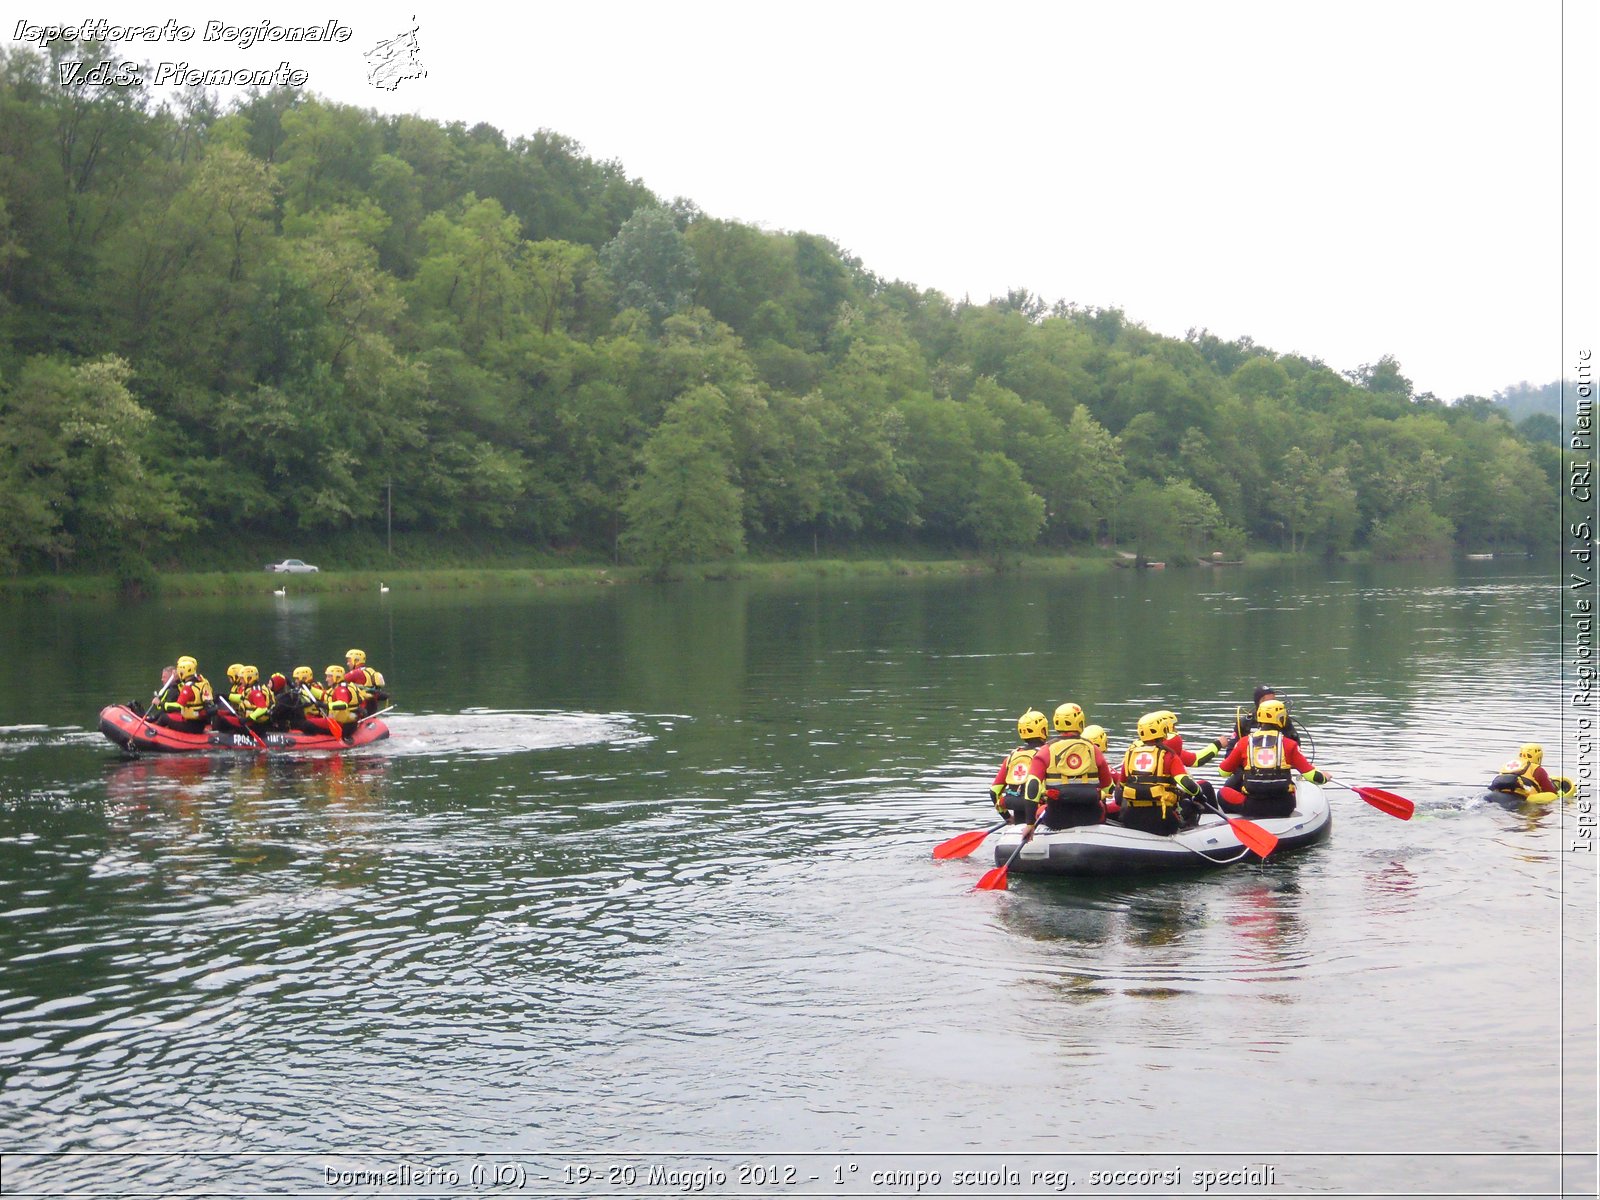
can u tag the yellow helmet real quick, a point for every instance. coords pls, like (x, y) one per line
(1169, 722)
(1273, 713)
(1031, 725)
(1096, 735)
(1069, 718)
(355, 657)
(334, 672)
(234, 671)
(1532, 754)
(1152, 726)
(249, 675)
(302, 675)
(187, 667)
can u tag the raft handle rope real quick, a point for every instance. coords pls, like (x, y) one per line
(1244, 851)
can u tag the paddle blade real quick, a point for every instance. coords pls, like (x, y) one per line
(961, 845)
(993, 880)
(1260, 842)
(1395, 806)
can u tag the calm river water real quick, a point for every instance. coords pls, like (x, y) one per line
(642, 883)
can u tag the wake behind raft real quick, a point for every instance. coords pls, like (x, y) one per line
(127, 727)
(1112, 849)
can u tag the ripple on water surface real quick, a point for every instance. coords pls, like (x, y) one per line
(609, 921)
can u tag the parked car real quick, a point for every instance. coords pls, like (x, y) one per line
(291, 566)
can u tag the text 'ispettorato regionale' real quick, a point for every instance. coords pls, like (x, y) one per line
(242, 36)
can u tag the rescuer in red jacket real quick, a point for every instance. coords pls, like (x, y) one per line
(1265, 759)
(1154, 781)
(1006, 788)
(1525, 777)
(1067, 775)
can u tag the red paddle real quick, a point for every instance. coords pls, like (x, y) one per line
(223, 700)
(964, 844)
(1395, 806)
(1258, 840)
(994, 879)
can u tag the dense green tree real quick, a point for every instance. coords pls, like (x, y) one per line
(1003, 513)
(1090, 478)
(1493, 489)
(864, 434)
(1538, 427)
(564, 287)
(1261, 378)
(466, 285)
(1171, 521)
(943, 450)
(651, 265)
(317, 302)
(183, 274)
(333, 256)
(828, 280)
(685, 507)
(1195, 518)
(327, 155)
(71, 456)
(1411, 533)
(746, 278)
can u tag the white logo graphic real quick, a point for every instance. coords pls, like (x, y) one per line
(395, 60)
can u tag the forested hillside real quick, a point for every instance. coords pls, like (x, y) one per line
(260, 319)
(1536, 411)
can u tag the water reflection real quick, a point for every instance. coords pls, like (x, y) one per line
(173, 820)
(655, 862)
(1169, 935)
(1267, 918)
(1392, 888)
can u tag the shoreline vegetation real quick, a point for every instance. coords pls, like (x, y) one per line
(331, 581)
(287, 323)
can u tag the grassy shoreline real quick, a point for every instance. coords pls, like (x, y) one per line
(456, 578)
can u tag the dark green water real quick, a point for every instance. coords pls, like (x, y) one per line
(647, 870)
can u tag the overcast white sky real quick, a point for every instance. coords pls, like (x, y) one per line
(1341, 181)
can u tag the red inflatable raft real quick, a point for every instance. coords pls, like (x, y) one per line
(124, 725)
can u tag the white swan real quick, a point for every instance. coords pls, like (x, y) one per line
(283, 591)
(382, 587)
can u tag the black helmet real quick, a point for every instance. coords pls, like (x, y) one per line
(1263, 690)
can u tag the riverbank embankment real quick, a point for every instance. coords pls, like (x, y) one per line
(456, 578)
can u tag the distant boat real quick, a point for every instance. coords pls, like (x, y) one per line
(1480, 556)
